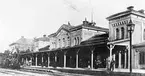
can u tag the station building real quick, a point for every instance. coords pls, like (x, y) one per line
(90, 46)
(81, 46)
(119, 38)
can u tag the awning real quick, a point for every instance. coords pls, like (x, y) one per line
(140, 45)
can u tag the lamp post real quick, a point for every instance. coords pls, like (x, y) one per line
(130, 29)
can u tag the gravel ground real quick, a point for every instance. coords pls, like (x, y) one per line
(23, 72)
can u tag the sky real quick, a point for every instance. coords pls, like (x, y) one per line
(35, 18)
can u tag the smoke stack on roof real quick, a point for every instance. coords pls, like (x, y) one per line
(141, 11)
(130, 8)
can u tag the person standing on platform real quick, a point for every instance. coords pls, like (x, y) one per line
(112, 65)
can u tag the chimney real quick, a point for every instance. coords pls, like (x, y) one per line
(44, 35)
(85, 22)
(130, 8)
(69, 23)
(141, 11)
(22, 36)
(93, 23)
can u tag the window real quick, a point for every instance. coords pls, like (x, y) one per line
(122, 32)
(59, 42)
(142, 57)
(78, 40)
(53, 44)
(117, 34)
(75, 42)
(68, 41)
(128, 35)
(64, 44)
(144, 34)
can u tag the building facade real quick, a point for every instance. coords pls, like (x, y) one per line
(80, 46)
(22, 45)
(90, 46)
(69, 36)
(119, 37)
(41, 42)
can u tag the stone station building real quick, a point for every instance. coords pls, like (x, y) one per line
(90, 46)
(79, 46)
(119, 38)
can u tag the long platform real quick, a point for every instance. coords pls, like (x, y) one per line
(86, 71)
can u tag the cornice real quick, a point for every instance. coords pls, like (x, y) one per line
(125, 13)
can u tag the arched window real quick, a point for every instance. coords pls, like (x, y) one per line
(117, 34)
(68, 41)
(53, 45)
(59, 42)
(64, 44)
(122, 32)
(74, 41)
(78, 41)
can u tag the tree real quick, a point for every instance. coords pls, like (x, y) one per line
(11, 60)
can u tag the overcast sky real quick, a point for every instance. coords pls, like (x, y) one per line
(34, 18)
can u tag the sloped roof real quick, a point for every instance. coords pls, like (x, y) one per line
(66, 27)
(42, 39)
(52, 35)
(90, 25)
(99, 38)
(44, 48)
(23, 41)
(85, 24)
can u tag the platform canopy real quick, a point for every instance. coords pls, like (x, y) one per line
(140, 46)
